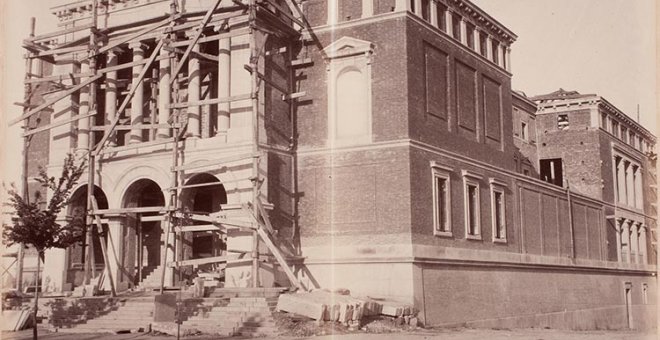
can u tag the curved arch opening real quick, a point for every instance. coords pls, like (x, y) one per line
(205, 199)
(142, 235)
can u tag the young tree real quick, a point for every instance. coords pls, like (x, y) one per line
(36, 225)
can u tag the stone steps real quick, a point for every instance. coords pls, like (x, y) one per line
(248, 316)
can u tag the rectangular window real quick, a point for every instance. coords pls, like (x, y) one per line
(562, 122)
(645, 293)
(426, 10)
(456, 27)
(472, 206)
(496, 52)
(440, 13)
(631, 138)
(524, 133)
(498, 210)
(640, 144)
(552, 171)
(469, 29)
(603, 121)
(624, 134)
(483, 40)
(441, 200)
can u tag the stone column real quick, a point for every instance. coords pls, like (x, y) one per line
(169, 272)
(619, 245)
(137, 102)
(626, 241)
(642, 244)
(83, 109)
(164, 95)
(507, 58)
(115, 249)
(111, 93)
(194, 76)
(224, 86)
(463, 26)
(449, 22)
(434, 13)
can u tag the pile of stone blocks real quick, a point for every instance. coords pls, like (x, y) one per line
(325, 306)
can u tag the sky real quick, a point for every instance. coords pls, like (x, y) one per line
(592, 46)
(605, 47)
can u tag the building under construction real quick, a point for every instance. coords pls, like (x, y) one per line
(360, 144)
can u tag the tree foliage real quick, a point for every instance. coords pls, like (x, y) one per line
(36, 225)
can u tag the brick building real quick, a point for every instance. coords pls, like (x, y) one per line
(383, 144)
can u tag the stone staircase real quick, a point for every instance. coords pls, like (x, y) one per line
(246, 316)
(108, 315)
(150, 278)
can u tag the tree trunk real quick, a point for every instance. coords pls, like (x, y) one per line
(36, 297)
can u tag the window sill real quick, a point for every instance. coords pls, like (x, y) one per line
(500, 240)
(443, 233)
(473, 237)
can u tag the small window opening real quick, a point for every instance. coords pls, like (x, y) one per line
(562, 122)
(552, 171)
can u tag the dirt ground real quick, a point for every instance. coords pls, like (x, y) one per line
(433, 334)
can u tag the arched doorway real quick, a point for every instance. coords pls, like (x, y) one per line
(79, 255)
(142, 233)
(205, 195)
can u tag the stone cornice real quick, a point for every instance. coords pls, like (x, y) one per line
(76, 10)
(609, 107)
(482, 20)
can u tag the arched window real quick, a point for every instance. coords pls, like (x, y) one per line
(349, 92)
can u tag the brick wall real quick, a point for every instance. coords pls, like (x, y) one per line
(474, 114)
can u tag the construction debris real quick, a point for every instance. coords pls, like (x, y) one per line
(322, 305)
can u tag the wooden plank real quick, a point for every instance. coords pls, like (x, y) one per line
(56, 124)
(134, 210)
(64, 50)
(211, 101)
(215, 220)
(197, 54)
(203, 227)
(193, 41)
(202, 184)
(294, 95)
(29, 45)
(194, 262)
(133, 127)
(280, 259)
(128, 65)
(262, 212)
(234, 33)
(301, 62)
(121, 109)
(62, 32)
(54, 100)
(229, 159)
(61, 77)
(99, 230)
(158, 218)
(136, 146)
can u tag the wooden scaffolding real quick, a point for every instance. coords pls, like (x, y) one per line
(268, 17)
